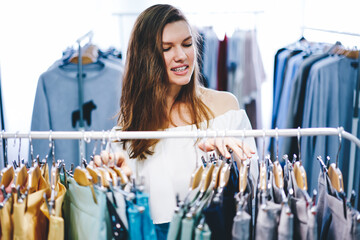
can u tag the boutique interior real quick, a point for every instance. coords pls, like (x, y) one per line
(293, 67)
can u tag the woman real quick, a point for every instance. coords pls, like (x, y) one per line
(161, 91)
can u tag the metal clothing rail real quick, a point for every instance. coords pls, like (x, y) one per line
(331, 31)
(89, 135)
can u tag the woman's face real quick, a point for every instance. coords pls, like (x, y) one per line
(179, 52)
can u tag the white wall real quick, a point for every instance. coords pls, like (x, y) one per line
(34, 33)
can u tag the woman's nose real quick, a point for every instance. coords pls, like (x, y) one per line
(179, 54)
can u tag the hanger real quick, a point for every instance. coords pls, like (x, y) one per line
(89, 54)
(243, 170)
(335, 175)
(299, 171)
(83, 178)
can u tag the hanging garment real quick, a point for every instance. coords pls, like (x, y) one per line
(222, 66)
(171, 156)
(286, 224)
(336, 213)
(27, 219)
(211, 46)
(56, 221)
(148, 228)
(329, 98)
(6, 220)
(120, 204)
(119, 232)
(242, 226)
(81, 211)
(267, 221)
(305, 225)
(56, 105)
(175, 224)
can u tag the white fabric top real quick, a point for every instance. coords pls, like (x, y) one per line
(168, 171)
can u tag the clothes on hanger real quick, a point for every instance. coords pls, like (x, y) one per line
(235, 64)
(160, 174)
(56, 105)
(314, 87)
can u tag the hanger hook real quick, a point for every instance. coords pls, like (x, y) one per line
(277, 143)
(298, 142)
(264, 133)
(103, 142)
(6, 147)
(87, 139)
(16, 135)
(242, 142)
(19, 151)
(52, 147)
(340, 130)
(31, 147)
(109, 141)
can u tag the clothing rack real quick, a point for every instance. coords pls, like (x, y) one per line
(113, 135)
(354, 127)
(331, 31)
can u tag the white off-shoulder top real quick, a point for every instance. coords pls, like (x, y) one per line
(168, 171)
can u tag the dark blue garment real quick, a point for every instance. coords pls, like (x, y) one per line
(328, 103)
(162, 230)
(220, 216)
(215, 220)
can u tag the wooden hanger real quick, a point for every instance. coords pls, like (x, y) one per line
(243, 173)
(89, 55)
(278, 175)
(83, 178)
(224, 175)
(196, 177)
(263, 177)
(34, 174)
(7, 175)
(207, 176)
(336, 177)
(300, 175)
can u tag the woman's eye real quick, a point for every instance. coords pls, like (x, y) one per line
(187, 45)
(166, 49)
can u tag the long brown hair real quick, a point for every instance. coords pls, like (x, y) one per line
(145, 83)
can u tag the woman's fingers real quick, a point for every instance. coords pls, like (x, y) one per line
(222, 146)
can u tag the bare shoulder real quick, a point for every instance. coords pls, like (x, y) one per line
(219, 102)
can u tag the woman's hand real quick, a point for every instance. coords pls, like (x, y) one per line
(223, 145)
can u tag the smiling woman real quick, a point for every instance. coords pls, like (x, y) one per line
(161, 91)
(179, 53)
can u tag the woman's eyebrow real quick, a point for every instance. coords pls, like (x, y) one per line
(169, 43)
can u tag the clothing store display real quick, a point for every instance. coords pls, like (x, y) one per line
(210, 56)
(56, 105)
(81, 211)
(222, 65)
(161, 173)
(314, 86)
(235, 64)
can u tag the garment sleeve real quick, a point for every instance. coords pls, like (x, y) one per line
(41, 118)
